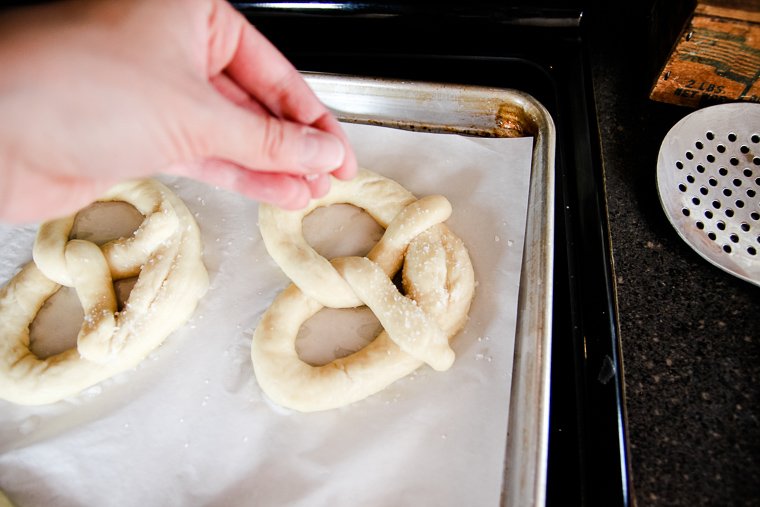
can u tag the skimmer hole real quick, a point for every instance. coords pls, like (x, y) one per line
(703, 190)
(711, 235)
(735, 161)
(710, 136)
(710, 158)
(751, 250)
(716, 204)
(744, 226)
(734, 238)
(723, 171)
(732, 137)
(727, 248)
(721, 148)
(686, 212)
(739, 203)
(689, 155)
(727, 192)
(721, 226)
(729, 212)
(744, 149)
(708, 213)
(679, 164)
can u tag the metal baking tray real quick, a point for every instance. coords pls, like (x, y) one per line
(486, 112)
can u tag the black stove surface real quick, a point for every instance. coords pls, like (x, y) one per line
(539, 50)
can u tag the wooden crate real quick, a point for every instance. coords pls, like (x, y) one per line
(717, 57)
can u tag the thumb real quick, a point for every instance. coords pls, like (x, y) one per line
(283, 190)
(254, 139)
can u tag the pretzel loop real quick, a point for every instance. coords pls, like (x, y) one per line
(438, 282)
(164, 253)
(124, 256)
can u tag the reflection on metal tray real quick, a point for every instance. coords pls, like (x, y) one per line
(489, 112)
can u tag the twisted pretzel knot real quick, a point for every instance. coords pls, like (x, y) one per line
(165, 251)
(437, 277)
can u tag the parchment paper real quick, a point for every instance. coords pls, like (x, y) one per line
(190, 426)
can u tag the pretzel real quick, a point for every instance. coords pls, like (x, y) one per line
(437, 278)
(164, 252)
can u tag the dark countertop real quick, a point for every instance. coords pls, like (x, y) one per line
(690, 332)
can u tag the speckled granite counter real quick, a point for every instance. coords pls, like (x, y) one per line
(690, 332)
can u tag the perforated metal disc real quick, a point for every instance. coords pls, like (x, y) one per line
(708, 178)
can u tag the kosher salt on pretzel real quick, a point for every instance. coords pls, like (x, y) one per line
(438, 280)
(164, 253)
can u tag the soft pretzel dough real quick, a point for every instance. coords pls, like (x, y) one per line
(165, 251)
(438, 280)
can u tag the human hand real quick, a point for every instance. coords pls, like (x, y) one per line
(96, 92)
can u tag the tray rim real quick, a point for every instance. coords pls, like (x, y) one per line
(526, 459)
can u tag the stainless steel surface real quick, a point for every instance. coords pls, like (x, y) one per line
(708, 177)
(490, 112)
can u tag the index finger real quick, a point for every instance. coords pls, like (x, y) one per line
(258, 68)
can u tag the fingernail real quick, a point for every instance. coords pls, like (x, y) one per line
(320, 151)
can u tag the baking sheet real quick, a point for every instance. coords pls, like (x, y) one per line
(190, 426)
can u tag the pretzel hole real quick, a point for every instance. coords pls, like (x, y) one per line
(334, 333)
(123, 288)
(101, 222)
(55, 328)
(341, 230)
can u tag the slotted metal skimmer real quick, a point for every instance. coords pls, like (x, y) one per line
(708, 178)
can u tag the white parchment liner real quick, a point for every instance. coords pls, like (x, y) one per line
(190, 425)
